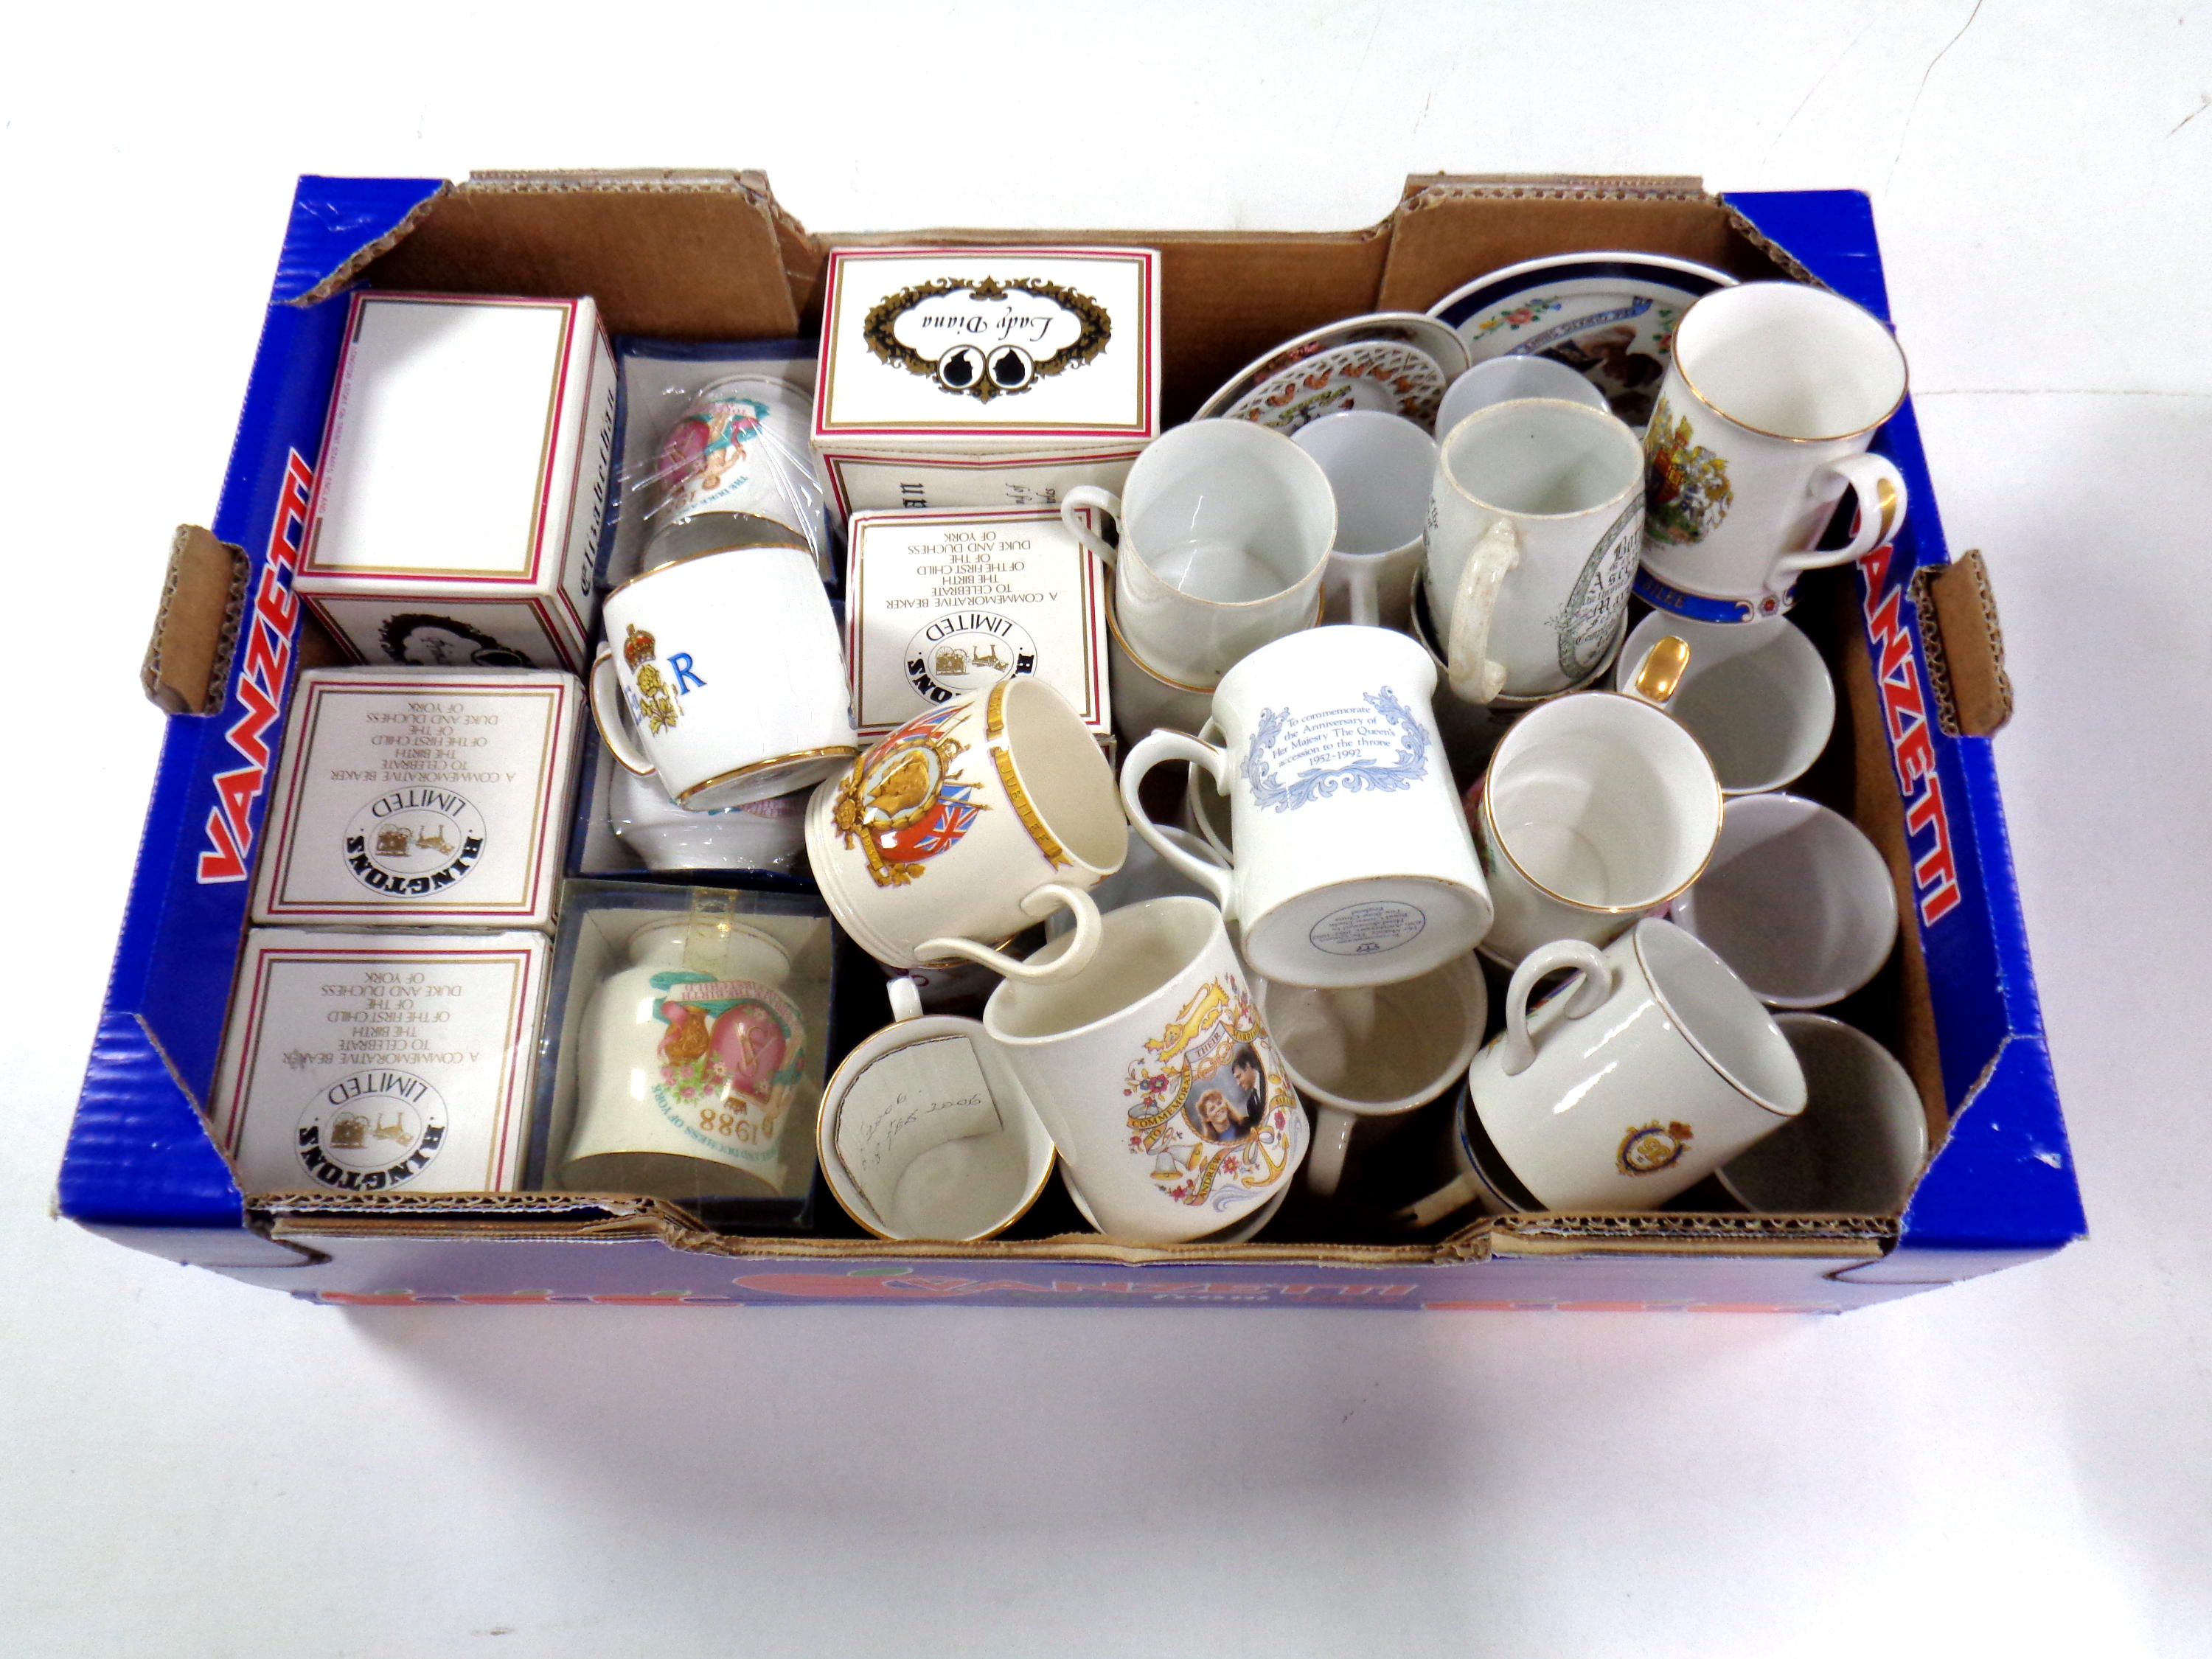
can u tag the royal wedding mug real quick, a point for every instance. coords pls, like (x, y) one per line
(1533, 519)
(1226, 527)
(1596, 808)
(1648, 1069)
(1379, 467)
(1350, 862)
(970, 823)
(723, 674)
(1155, 1076)
(1774, 392)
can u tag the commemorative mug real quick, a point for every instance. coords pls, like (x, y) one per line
(1648, 1069)
(1503, 380)
(1774, 393)
(1226, 527)
(1350, 861)
(1472, 730)
(690, 1063)
(737, 470)
(970, 823)
(1379, 466)
(723, 674)
(1534, 520)
(1756, 695)
(1595, 808)
(1155, 1076)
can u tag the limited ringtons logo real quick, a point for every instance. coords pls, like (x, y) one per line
(964, 651)
(414, 842)
(377, 1130)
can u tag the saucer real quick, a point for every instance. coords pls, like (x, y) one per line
(1237, 1233)
(1398, 362)
(1610, 315)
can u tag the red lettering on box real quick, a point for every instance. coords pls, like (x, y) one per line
(1912, 746)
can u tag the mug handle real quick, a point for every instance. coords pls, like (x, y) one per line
(1592, 986)
(614, 728)
(1050, 896)
(1659, 675)
(1475, 678)
(1332, 1135)
(1167, 744)
(1090, 496)
(1874, 479)
(1366, 603)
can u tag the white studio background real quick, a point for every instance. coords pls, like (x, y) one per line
(2020, 1465)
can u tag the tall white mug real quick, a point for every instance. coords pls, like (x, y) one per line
(1774, 392)
(1379, 466)
(1534, 520)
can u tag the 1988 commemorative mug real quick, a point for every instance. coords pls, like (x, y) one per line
(723, 673)
(1774, 392)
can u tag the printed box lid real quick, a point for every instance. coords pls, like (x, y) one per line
(989, 346)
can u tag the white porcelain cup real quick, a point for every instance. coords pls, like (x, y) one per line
(1154, 1073)
(1771, 397)
(1857, 1147)
(1595, 810)
(1370, 1053)
(1534, 519)
(1648, 1069)
(1225, 532)
(1379, 467)
(1503, 380)
(761, 835)
(689, 1068)
(1472, 731)
(1352, 863)
(925, 1132)
(723, 674)
(1145, 875)
(1143, 700)
(968, 824)
(1756, 695)
(1795, 899)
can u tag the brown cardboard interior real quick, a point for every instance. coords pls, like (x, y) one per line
(708, 257)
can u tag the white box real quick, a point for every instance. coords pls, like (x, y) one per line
(466, 456)
(380, 1063)
(984, 377)
(421, 800)
(942, 603)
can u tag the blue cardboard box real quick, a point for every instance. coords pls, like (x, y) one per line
(706, 256)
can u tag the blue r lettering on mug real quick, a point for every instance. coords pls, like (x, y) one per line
(686, 676)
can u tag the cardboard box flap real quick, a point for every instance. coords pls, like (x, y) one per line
(196, 624)
(338, 225)
(1966, 648)
(138, 1153)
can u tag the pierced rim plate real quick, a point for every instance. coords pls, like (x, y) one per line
(1611, 316)
(1396, 360)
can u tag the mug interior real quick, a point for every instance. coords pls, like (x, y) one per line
(1230, 514)
(1501, 379)
(1380, 466)
(1067, 778)
(1756, 695)
(1791, 361)
(1143, 947)
(1541, 458)
(1857, 1146)
(1720, 1017)
(1603, 801)
(1386, 1047)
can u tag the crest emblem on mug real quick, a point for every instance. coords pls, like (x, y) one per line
(729, 1060)
(1686, 491)
(982, 339)
(1211, 1106)
(904, 802)
(1653, 1147)
(656, 699)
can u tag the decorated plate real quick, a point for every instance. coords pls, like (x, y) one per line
(1612, 316)
(1397, 361)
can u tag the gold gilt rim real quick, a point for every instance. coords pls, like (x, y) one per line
(704, 553)
(840, 750)
(1903, 389)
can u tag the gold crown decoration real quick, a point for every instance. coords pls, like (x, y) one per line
(639, 647)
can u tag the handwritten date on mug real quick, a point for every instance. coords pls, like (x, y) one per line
(1377, 744)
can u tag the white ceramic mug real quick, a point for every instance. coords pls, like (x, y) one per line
(690, 1068)
(1771, 397)
(1795, 899)
(736, 469)
(1472, 730)
(1352, 863)
(1370, 1053)
(925, 1132)
(1756, 695)
(1503, 380)
(968, 823)
(1650, 1069)
(1379, 467)
(1155, 1075)
(1857, 1147)
(1143, 700)
(761, 835)
(1225, 532)
(1533, 519)
(723, 674)
(1595, 810)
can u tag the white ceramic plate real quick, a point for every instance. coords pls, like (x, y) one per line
(1612, 316)
(1396, 360)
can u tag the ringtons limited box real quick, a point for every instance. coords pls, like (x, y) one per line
(965, 376)
(1908, 634)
